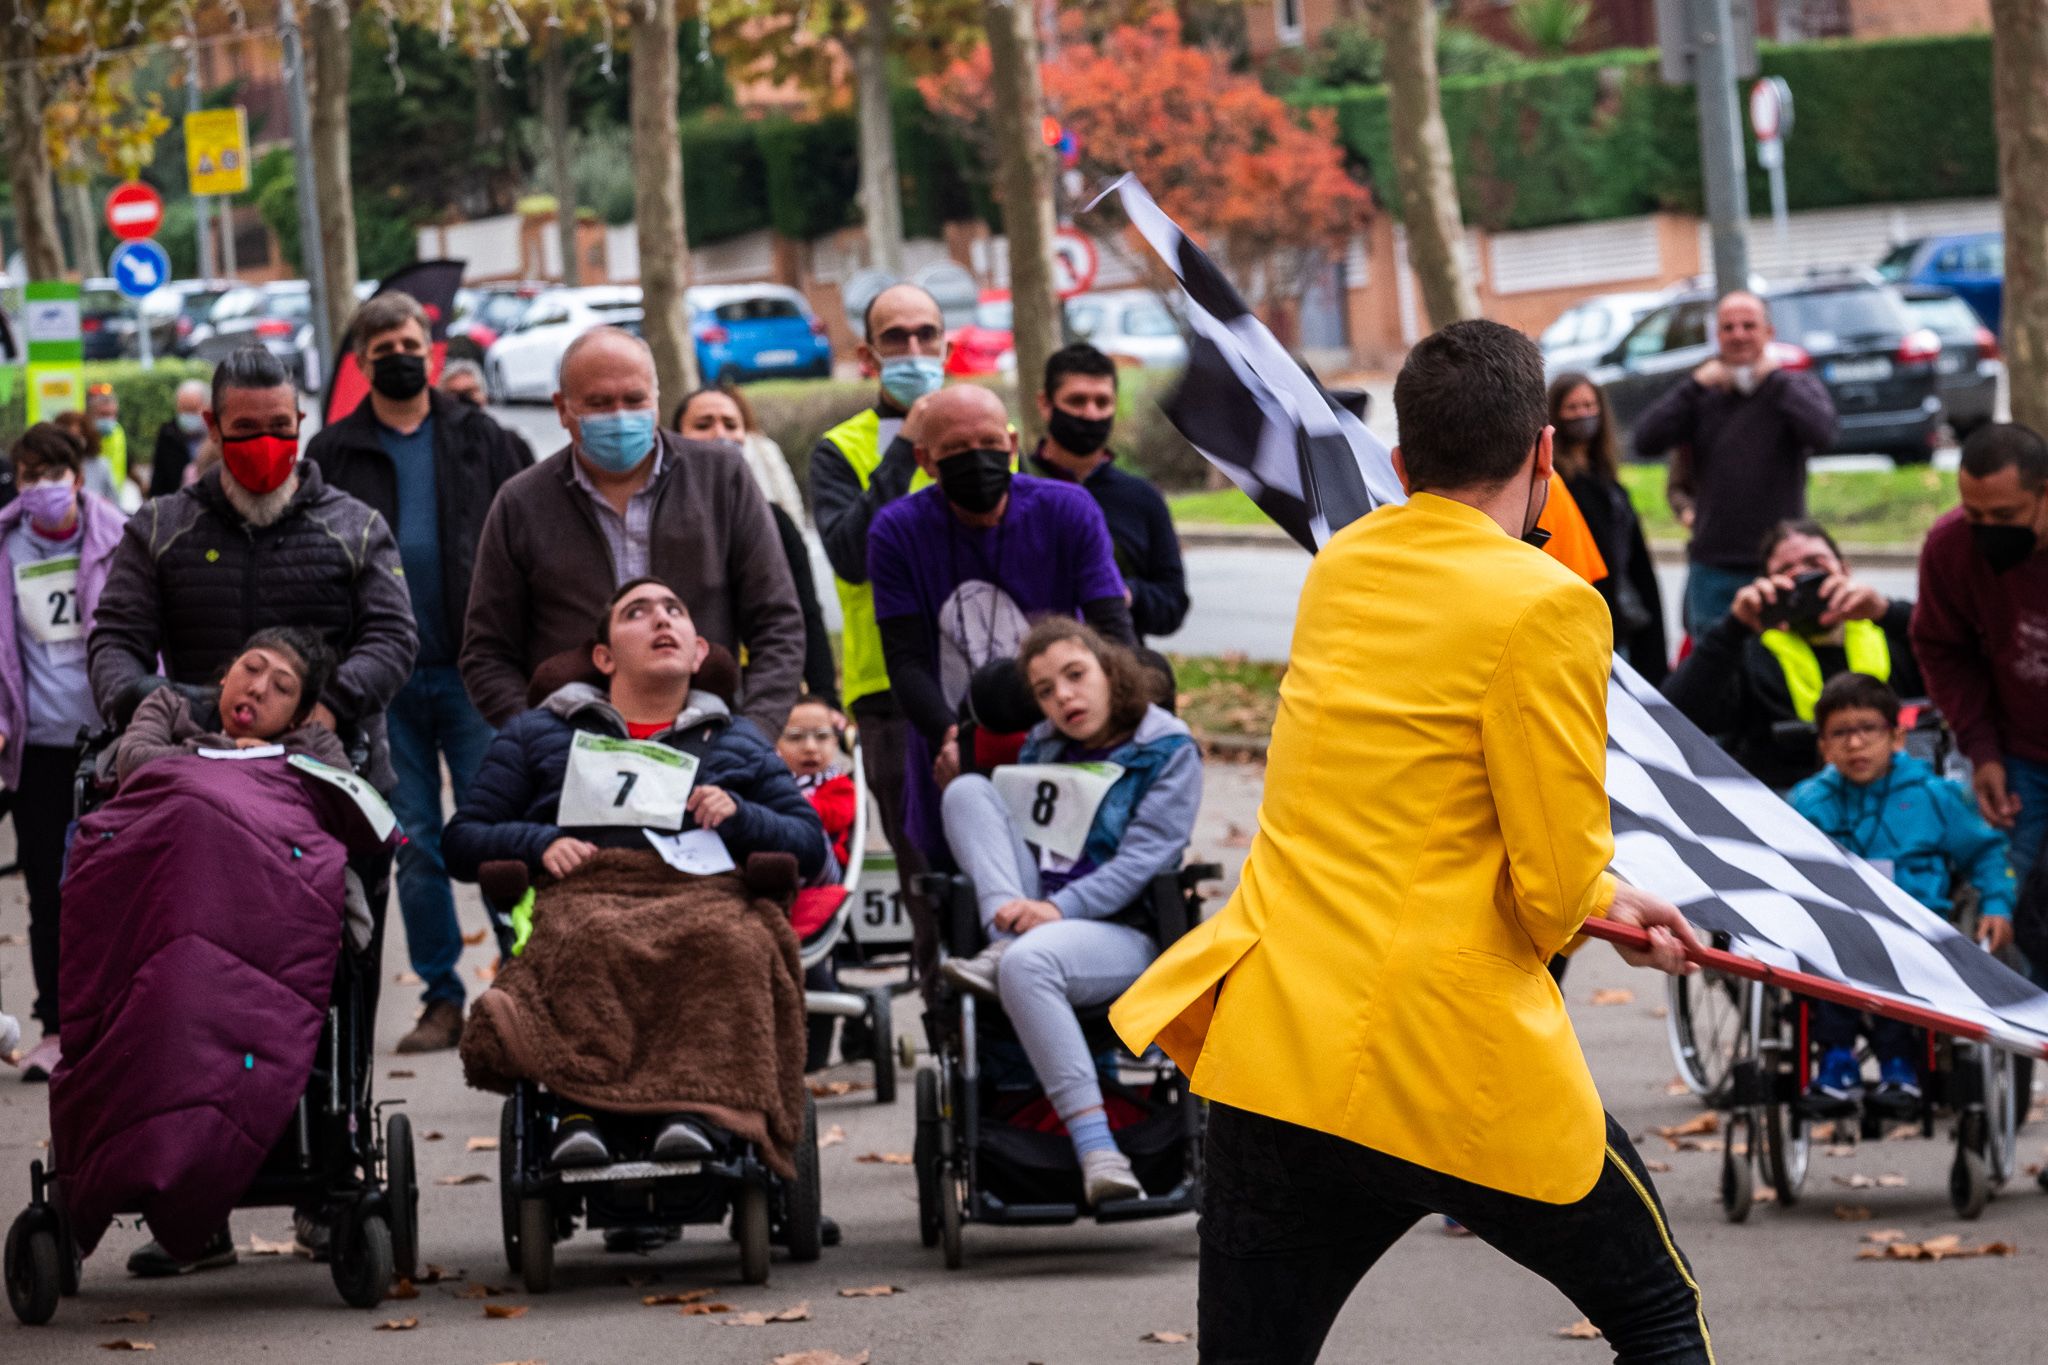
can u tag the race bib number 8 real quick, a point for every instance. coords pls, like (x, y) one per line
(631, 782)
(1054, 804)
(47, 592)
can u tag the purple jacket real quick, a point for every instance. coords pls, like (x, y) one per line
(102, 522)
(203, 914)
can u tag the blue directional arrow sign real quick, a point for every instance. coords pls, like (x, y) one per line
(138, 268)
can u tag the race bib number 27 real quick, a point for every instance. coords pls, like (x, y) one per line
(635, 783)
(47, 593)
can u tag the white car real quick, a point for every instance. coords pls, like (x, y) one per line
(1584, 333)
(1131, 326)
(524, 363)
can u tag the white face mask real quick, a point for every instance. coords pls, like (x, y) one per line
(1744, 379)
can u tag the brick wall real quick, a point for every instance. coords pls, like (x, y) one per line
(1901, 18)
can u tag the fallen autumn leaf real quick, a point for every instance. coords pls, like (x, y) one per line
(832, 1136)
(398, 1324)
(680, 1296)
(1613, 995)
(124, 1344)
(886, 1159)
(1582, 1330)
(505, 1310)
(134, 1316)
(800, 1313)
(819, 1358)
(481, 1144)
(1167, 1338)
(471, 1178)
(873, 1291)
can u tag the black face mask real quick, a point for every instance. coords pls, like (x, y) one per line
(398, 376)
(1532, 534)
(1078, 435)
(975, 481)
(2004, 547)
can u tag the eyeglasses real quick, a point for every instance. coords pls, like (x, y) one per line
(1855, 734)
(895, 340)
(793, 735)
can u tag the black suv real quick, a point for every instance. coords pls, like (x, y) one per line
(1852, 330)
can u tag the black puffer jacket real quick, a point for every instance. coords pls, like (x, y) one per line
(191, 581)
(473, 455)
(509, 811)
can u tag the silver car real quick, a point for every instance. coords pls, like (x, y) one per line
(1587, 330)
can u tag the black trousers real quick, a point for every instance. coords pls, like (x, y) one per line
(42, 815)
(1292, 1219)
(884, 752)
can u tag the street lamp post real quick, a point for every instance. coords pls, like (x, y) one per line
(312, 256)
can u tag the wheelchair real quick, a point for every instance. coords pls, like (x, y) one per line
(540, 1203)
(339, 1151)
(988, 1148)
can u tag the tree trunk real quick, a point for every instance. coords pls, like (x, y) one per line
(28, 157)
(881, 189)
(1024, 176)
(2019, 84)
(1422, 159)
(327, 68)
(658, 197)
(554, 120)
(84, 227)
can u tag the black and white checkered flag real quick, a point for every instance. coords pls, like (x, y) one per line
(1689, 823)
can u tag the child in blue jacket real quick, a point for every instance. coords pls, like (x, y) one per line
(1918, 828)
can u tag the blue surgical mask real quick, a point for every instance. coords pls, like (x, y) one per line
(907, 378)
(191, 423)
(105, 425)
(617, 441)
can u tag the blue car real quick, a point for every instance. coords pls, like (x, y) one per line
(757, 331)
(1970, 263)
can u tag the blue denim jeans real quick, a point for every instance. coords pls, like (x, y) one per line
(431, 718)
(2028, 780)
(1709, 592)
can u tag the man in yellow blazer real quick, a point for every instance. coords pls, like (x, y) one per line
(1369, 1016)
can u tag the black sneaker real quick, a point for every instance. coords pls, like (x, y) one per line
(681, 1139)
(639, 1241)
(578, 1143)
(312, 1233)
(151, 1262)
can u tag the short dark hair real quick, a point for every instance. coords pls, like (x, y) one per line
(2004, 445)
(1855, 692)
(381, 313)
(50, 446)
(247, 367)
(1077, 358)
(867, 314)
(316, 660)
(1469, 406)
(631, 585)
(1785, 530)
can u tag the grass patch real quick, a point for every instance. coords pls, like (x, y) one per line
(1228, 695)
(1862, 507)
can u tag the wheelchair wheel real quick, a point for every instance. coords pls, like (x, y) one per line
(536, 1245)
(1738, 1190)
(508, 1175)
(2002, 1114)
(1969, 1183)
(882, 1029)
(32, 1269)
(750, 1220)
(402, 1193)
(949, 1220)
(1703, 1024)
(925, 1155)
(362, 1258)
(803, 1198)
(1787, 1150)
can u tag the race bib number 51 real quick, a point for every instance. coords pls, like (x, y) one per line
(631, 782)
(1054, 804)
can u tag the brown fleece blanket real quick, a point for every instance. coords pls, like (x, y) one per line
(647, 991)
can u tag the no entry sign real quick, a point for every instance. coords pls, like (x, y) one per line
(134, 211)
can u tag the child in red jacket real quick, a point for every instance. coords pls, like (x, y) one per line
(810, 746)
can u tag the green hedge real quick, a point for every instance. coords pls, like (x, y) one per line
(1595, 137)
(148, 397)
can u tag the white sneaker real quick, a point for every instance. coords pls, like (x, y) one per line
(977, 973)
(1107, 1176)
(10, 1036)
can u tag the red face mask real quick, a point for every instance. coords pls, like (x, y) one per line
(260, 463)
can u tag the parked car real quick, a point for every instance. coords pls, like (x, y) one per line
(1968, 371)
(522, 365)
(1585, 332)
(276, 316)
(1851, 329)
(106, 322)
(178, 309)
(756, 331)
(1970, 263)
(979, 347)
(486, 312)
(1130, 326)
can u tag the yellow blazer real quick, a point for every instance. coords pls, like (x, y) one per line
(1434, 828)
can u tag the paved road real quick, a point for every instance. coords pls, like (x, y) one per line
(1784, 1288)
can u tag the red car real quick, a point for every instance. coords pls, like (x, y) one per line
(984, 346)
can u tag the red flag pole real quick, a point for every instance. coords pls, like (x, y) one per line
(1804, 983)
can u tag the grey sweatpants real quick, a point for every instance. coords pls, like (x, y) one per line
(1048, 970)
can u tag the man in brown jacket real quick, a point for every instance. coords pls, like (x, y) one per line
(621, 501)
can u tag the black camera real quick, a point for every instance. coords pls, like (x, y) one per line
(1799, 610)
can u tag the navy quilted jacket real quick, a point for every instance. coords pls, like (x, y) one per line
(509, 811)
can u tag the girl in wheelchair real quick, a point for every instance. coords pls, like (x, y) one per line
(1058, 847)
(266, 697)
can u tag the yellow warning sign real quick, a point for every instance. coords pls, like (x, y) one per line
(217, 150)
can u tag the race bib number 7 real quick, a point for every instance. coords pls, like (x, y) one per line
(1053, 804)
(630, 782)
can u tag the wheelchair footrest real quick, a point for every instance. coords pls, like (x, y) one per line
(627, 1170)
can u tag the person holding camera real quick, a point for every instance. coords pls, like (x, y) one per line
(1754, 678)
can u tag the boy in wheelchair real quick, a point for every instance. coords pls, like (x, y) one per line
(1058, 847)
(635, 989)
(1921, 830)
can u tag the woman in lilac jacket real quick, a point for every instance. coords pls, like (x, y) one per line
(56, 542)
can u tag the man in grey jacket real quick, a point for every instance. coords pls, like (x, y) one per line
(621, 501)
